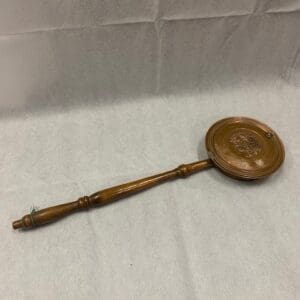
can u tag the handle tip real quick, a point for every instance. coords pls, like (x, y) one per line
(17, 224)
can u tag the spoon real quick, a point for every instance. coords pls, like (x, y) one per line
(240, 147)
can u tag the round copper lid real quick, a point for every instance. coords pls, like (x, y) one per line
(244, 148)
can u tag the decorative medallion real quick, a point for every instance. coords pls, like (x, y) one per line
(245, 144)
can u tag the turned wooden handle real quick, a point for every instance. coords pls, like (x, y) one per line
(51, 214)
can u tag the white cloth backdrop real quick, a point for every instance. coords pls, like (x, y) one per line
(97, 93)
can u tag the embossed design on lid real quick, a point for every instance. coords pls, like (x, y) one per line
(245, 144)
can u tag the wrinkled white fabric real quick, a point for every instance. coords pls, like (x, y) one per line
(98, 93)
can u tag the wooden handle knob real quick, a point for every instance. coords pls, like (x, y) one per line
(50, 214)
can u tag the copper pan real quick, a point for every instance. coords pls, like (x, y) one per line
(244, 148)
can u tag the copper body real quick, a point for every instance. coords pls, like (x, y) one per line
(240, 147)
